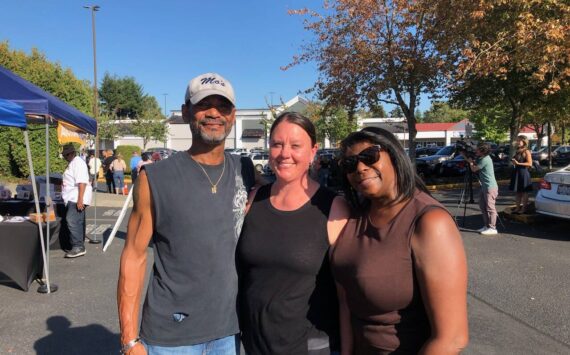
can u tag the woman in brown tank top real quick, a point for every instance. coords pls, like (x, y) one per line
(400, 265)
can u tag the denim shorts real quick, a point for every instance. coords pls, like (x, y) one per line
(224, 346)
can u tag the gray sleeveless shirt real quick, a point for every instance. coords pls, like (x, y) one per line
(192, 291)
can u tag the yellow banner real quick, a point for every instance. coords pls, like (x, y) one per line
(66, 134)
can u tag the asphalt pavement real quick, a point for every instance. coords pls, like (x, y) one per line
(519, 289)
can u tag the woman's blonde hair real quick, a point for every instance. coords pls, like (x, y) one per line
(523, 139)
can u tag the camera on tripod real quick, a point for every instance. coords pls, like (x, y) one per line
(468, 148)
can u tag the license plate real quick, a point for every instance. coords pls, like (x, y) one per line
(563, 190)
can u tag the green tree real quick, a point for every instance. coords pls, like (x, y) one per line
(58, 81)
(331, 123)
(396, 112)
(121, 97)
(491, 124)
(150, 125)
(443, 112)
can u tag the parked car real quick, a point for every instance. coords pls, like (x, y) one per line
(259, 161)
(541, 155)
(553, 197)
(164, 152)
(431, 165)
(426, 151)
(454, 167)
(561, 155)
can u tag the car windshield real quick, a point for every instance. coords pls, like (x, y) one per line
(445, 150)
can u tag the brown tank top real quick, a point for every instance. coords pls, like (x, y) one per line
(376, 268)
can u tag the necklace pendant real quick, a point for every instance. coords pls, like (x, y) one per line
(214, 189)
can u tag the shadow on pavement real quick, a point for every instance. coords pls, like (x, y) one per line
(64, 339)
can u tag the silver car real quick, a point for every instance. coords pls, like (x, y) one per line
(553, 198)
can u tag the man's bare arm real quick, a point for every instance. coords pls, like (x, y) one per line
(133, 260)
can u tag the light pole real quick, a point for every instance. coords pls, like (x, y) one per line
(95, 8)
(165, 113)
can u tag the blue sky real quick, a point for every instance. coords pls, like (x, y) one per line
(163, 44)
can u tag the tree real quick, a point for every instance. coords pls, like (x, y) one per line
(331, 123)
(121, 97)
(58, 81)
(375, 51)
(150, 124)
(443, 112)
(491, 124)
(511, 53)
(396, 112)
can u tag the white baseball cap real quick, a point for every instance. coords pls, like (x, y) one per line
(206, 85)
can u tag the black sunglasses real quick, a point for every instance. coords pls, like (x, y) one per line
(368, 156)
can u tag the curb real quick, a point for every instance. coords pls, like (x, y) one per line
(459, 185)
(526, 218)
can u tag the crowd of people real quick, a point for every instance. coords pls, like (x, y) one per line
(287, 267)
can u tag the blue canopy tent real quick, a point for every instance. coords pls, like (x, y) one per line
(13, 115)
(37, 102)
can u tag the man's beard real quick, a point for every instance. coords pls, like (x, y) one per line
(210, 138)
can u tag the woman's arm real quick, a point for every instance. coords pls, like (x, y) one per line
(441, 266)
(338, 217)
(527, 159)
(346, 339)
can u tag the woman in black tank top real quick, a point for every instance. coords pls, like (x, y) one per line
(287, 298)
(399, 264)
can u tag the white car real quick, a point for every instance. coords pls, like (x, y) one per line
(553, 198)
(259, 160)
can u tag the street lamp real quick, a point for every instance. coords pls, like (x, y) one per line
(95, 8)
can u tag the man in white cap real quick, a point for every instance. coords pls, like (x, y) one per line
(191, 206)
(76, 193)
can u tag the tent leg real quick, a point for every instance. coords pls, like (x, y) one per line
(95, 239)
(47, 285)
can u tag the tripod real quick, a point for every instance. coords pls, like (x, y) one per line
(467, 187)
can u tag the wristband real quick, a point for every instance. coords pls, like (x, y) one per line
(128, 346)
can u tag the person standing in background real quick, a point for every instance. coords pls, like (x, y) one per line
(118, 167)
(521, 183)
(109, 158)
(483, 167)
(94, 166)
(135, 159)
(77, 197)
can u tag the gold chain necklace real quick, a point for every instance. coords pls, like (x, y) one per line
(214, 186)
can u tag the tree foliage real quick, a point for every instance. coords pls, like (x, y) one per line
(150, 124)
(443, 112)
(371, 51)
(331, 123)
(58, 81)
(121, 97)
(511, 53)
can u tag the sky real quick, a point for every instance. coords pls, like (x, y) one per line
(164, 44)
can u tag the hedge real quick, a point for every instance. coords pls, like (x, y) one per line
(13, 156)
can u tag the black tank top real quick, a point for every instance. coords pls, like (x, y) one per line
(287, 297)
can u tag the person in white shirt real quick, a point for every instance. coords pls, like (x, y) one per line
(77, 196)
(94, 166)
